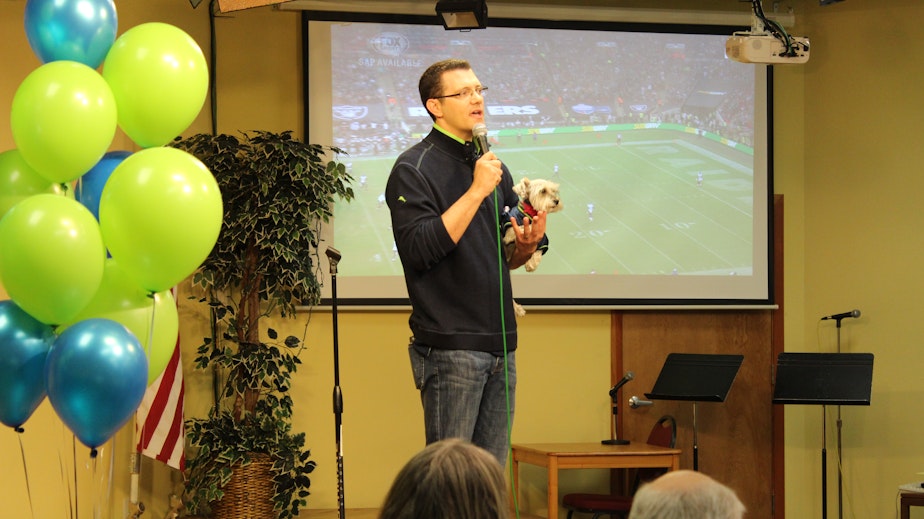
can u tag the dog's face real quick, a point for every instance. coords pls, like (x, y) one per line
(541, 194)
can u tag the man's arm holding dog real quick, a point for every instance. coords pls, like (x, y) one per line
(528, 237)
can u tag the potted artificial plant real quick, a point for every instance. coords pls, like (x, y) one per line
(276, 191)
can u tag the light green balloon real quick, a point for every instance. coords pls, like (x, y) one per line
(51, 257)
(63, 119)
(160, 213)
(19, 180)
(152, 318)
(160, 78)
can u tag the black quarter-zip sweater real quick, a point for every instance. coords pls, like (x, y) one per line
(456, 290)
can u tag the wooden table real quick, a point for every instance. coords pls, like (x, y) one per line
(558, 456)
(909, 499)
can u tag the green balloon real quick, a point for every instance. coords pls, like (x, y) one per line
(63, 119)
(18, 181)
(159, 77)
(51, 257)
(160, 213)
(152, 318)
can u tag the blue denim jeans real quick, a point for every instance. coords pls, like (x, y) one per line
(465, 395)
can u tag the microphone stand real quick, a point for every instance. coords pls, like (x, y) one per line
(840, 477)
(333, 255)
(614, 392)
(614, 440)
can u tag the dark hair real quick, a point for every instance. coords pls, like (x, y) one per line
(449, 479)
(431, 81)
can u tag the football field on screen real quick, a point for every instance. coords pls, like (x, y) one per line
(642, 201)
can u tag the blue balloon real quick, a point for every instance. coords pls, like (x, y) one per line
(96, 374)
(73, 30)
(91, 184)
(24, 345)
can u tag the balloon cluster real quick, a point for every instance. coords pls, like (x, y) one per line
(92, 240)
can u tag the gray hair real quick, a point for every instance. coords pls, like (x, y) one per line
(686, 494)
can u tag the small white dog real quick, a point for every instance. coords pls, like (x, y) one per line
(535, 195)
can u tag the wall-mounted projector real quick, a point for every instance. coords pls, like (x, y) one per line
(766, 48)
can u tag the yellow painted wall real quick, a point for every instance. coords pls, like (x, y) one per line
(862, 245)
(847, 159)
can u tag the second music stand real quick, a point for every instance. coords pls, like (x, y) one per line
(824, 379)
(697, 378)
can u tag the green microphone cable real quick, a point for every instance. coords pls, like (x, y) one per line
(501, 265)
(480, 138)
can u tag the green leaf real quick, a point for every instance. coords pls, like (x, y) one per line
(276, 192)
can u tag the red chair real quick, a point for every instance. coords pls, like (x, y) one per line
(664, 434)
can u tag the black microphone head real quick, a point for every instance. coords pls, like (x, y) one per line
(480, 138)
(333, 254)
(855, 313)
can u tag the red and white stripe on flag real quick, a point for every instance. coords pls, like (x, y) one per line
(159, 418)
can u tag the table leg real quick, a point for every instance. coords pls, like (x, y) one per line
(553, 487)
(514, 484)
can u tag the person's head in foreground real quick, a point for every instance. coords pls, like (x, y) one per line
(448, 479)
(685, 494)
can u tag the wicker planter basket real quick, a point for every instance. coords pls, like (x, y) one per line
(249, 494)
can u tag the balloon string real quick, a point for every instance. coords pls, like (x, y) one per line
(111, 472)
(93, 478)
(64, 479)
(147, 347)
(25, 472)
(140, 432)
(76, 506)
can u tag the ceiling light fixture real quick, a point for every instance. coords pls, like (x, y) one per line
(462, 14)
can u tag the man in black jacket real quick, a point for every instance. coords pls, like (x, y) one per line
(446, 204)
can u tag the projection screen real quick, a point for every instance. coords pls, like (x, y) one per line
(660, 143)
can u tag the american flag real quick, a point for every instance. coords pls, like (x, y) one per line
(159, 419)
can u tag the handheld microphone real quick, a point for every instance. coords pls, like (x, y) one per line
(844, 315)
(625, 378)
(480, 138)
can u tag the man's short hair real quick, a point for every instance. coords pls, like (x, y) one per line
(431, 81)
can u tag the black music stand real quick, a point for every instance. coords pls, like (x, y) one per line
(698, 378)
(823, 379)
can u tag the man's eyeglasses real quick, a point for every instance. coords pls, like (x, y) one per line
(466, 94)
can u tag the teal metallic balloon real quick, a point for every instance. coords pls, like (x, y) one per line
(24, 346)
(96, 375)
(73, 30)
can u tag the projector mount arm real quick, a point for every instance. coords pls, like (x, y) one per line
(761, 25)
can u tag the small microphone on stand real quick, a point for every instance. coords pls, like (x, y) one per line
(844, 315)
(333, 256)
(625, 379)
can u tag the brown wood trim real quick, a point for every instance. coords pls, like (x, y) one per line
(616, 359)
